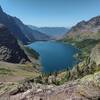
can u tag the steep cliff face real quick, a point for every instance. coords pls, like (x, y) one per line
(10, 51)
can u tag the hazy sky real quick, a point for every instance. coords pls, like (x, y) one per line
(52, 12)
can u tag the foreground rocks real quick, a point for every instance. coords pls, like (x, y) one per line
(87, 88)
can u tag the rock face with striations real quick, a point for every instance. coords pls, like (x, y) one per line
(10, 51)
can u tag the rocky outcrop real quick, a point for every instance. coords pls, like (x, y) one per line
(95, 55)
(86, 30)
(86, 88)
(10, 51)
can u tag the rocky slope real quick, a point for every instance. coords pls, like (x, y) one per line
(20, 30)
(10, 72)
(86, 30)
(86, 88)
(95, 55)
(10, 51)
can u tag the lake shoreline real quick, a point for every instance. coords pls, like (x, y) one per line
(55, 52)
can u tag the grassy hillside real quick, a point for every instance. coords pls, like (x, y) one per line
(16, 72)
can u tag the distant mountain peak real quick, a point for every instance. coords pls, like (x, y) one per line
(54, 32)
(86, 29)
(97, 18)
(95, 21)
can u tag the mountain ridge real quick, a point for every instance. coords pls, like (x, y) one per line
(51, 31)
(10, 50)
(85, 29)
(19, 30)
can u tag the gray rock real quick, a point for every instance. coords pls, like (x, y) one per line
(10, 50)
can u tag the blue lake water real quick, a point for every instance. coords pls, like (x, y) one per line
(55, 56)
